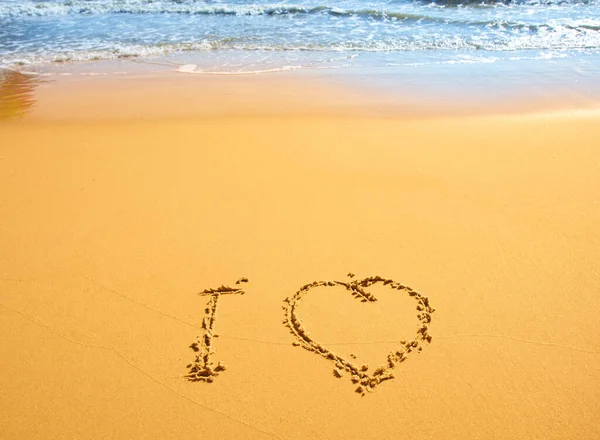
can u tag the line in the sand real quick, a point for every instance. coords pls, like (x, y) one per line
(122, 356)
(528, 341)
(122, 295)
(549, 344)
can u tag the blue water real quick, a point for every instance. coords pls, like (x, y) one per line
(247, 36)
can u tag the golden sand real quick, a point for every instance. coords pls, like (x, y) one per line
(112, 224)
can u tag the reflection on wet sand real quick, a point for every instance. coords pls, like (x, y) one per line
(16, 93)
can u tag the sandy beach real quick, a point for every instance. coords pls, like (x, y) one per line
(116, 212)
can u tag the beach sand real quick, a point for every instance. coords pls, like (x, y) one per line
(115, 217)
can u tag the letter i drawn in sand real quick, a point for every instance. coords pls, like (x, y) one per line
(203, 368)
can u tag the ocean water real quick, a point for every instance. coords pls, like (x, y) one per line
(237, 36)
(433, 54)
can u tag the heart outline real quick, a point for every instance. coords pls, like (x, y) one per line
(366, 381)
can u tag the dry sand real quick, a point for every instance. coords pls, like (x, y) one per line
(112, 225)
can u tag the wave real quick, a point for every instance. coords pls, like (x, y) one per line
(90, 7)
(87, 7)
(117, 51)
(554, 42)
(29, 8)
(492, 3)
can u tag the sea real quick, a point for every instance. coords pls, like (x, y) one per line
(483, 42)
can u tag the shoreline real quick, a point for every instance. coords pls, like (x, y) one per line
(151, 89)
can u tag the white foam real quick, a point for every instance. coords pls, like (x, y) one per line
(191, 68)
(187, 68)
(92, 7)
(117, 51)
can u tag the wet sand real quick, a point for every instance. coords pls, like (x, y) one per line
(115, 218)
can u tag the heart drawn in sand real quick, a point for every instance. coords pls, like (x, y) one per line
(366, 381)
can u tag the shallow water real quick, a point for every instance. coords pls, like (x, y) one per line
(436, 53)
(263, 35)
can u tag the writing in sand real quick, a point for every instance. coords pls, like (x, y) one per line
(205, 369)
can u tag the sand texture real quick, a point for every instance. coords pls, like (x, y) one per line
(300, 277)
